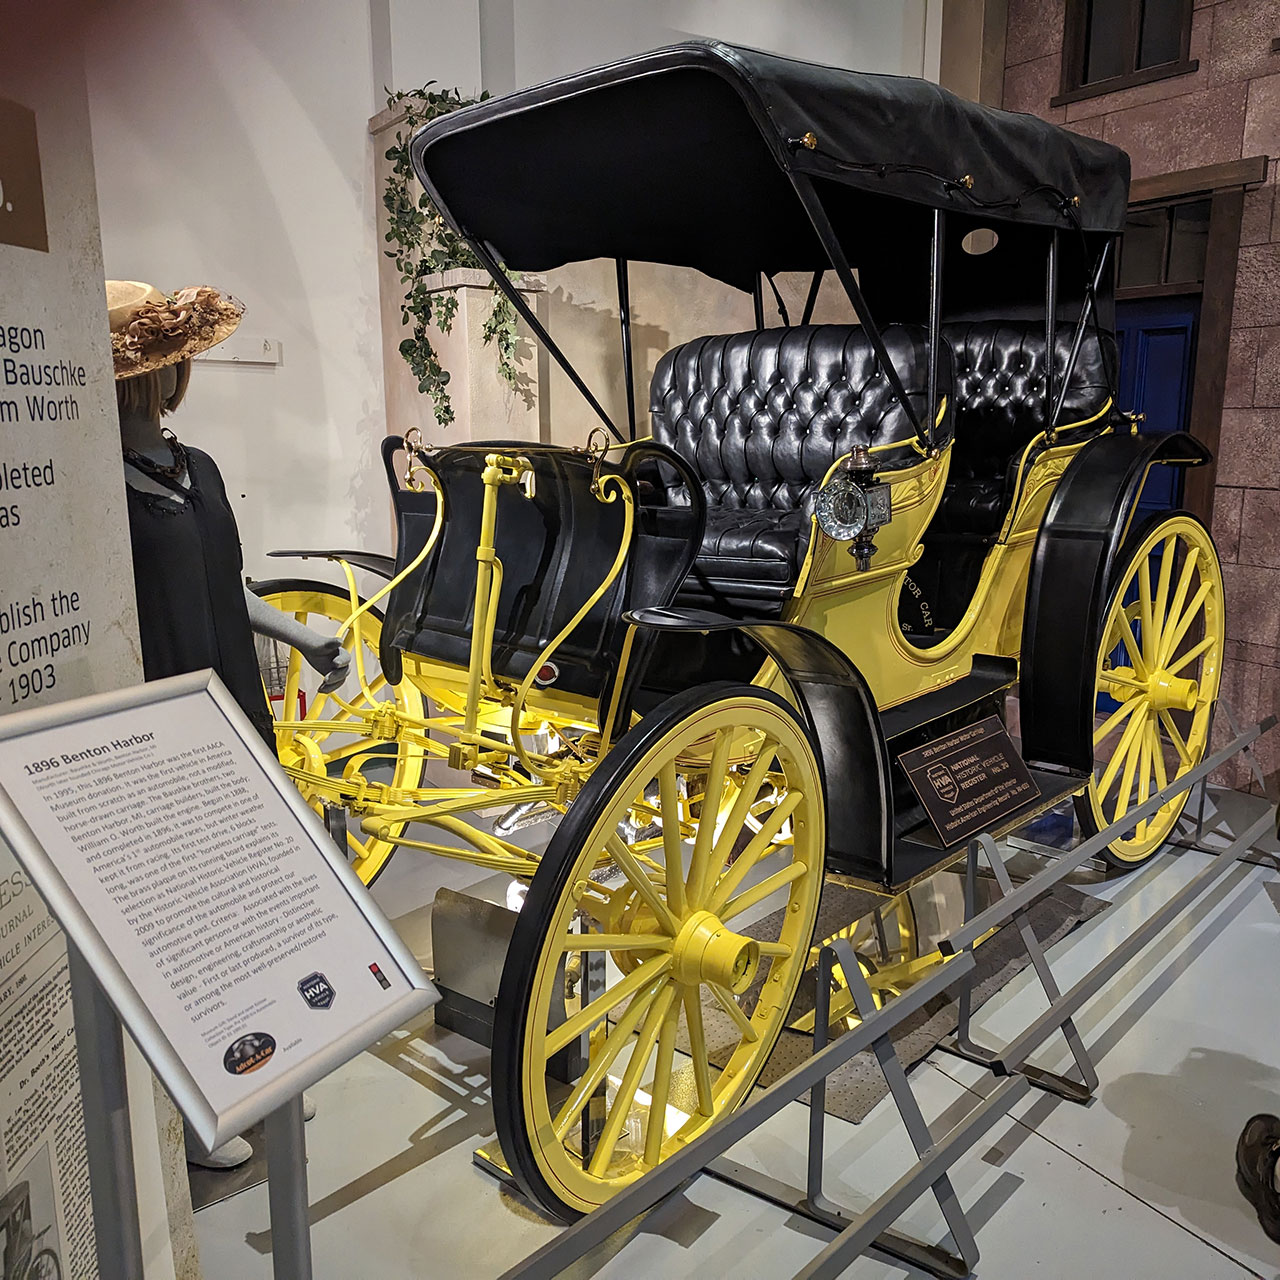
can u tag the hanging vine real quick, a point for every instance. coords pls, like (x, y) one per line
(423, 245)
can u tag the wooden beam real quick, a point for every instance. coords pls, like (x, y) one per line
(1209, 383)
(1210, 177)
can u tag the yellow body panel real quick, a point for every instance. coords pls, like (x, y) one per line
(858, 611)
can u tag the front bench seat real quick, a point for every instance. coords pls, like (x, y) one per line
(761, 416)
(999, 408)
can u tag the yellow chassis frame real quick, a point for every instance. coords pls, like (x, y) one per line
(492, 726)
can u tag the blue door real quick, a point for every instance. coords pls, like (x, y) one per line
(1157, 339)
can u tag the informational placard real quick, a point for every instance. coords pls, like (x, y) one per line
(237, 946)
(969, 779)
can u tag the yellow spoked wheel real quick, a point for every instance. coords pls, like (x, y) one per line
(326, 748)
(657, 954)
(1158, 668)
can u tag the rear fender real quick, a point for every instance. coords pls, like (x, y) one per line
(843, 723)
(1077, 551)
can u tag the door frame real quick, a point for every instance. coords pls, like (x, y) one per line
(1225, 184)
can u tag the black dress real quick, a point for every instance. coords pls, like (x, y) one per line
(187, 575)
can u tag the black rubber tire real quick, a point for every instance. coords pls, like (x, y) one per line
(549, 883)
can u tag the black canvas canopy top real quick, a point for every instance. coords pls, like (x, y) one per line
(696, 155)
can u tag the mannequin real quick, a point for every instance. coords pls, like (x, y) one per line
(193, 608)
(142, 434)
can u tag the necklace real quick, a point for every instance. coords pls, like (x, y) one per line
(150, 466)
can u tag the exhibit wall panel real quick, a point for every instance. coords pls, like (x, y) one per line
(67, 619)
(232, 149)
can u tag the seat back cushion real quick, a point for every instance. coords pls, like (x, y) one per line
(1000, 386)
(762, 415)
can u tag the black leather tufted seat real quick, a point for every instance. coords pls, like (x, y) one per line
(999, 408)
(761, 416)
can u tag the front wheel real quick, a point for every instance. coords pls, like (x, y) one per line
(662, 941)
(45, 1266)
(1158, 668)
(318, 739)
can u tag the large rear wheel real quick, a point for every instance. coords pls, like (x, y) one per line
(1158, 668)
(319, 740)
(662, 941)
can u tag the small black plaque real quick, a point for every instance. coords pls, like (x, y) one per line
(969, 779)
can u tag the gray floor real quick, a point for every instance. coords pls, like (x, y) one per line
(1138, 1183)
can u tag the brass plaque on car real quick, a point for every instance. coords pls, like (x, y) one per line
(970, 779)
(22, 220)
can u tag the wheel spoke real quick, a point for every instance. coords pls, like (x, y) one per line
(1184, 752)
(1175, 638)
(614, 1043)
(1130, 768)
(1157, 757)
(626, 1094)
(594, 942)
(656, 1129)
(1144, 597)
(672, 840)
(1121, 752)
(763, 890)
(1131, 644)
(698, 1050)
(587, 1018)
(761, 845)
(289, 708)
(634, 872)
(775, 950)
(1124, 682)
(1144, 774)
(725, 999)
(1112, 722)
(1191, 655)
(699, 863)
(1162, 589)
(1179, 597)
(742, 804)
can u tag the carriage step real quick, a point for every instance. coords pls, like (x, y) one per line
(989, 675)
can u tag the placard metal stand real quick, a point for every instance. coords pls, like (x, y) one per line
(100, 1046)
(105, 1099)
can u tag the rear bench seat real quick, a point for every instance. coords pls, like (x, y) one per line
(761, 416)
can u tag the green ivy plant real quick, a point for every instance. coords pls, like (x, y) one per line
(423, 244)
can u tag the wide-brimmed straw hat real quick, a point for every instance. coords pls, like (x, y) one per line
(150, 329)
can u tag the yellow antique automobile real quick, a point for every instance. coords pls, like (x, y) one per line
(702, 653)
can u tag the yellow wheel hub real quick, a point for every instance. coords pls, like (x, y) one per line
(706, 950)
(1164, 690)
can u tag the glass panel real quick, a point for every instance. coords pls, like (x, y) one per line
(1106, 51)
(1161, 36)
(1142, 251)
(1187, 241)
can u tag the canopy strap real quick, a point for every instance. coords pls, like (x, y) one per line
(957, 186)
(489, 260)
(817, 212)
(782, 306)
(812, 300)
(1088, 315)
(624, 318)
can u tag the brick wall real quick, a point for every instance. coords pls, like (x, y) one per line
(1227, 109)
